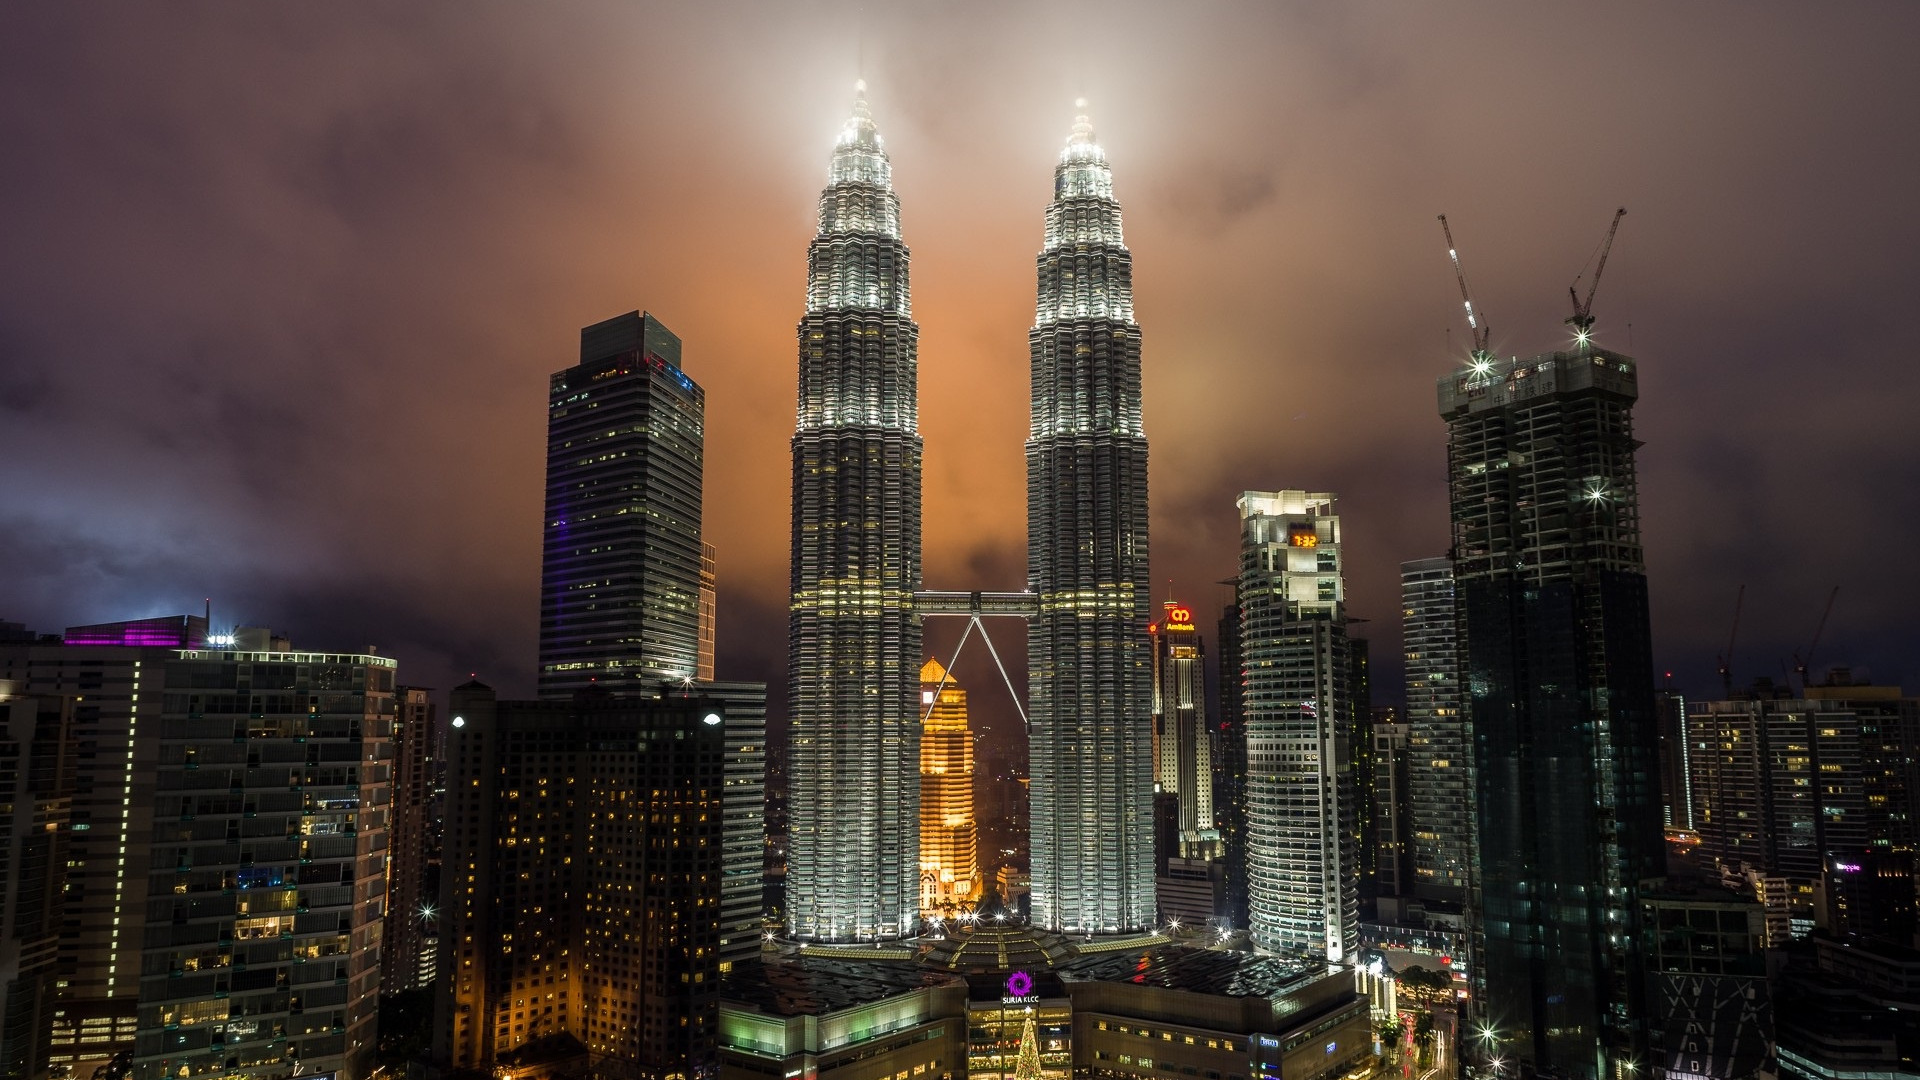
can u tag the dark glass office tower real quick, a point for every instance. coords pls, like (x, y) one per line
(1089, 685)
(1559, 671)
(853, 637)
(620, 568)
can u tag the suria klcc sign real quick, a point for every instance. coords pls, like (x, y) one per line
(1019, 990)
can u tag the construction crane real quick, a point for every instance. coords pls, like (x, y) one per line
(1582, 318)
(1482, 359)
(1726, 658)
(1800, 666)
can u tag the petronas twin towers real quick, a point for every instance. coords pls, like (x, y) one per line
(854, 618)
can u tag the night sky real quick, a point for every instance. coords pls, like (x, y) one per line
(281, 286)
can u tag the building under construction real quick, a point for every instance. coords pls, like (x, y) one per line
(1553, 596)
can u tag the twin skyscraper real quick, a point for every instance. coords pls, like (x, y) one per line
(857, 594)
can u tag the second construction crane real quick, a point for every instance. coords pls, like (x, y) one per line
(1582, 318)
(1476, 325)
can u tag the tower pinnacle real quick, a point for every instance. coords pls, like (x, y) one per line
(860, 129)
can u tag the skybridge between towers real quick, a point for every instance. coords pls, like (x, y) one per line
(974, 606)
(982, 605)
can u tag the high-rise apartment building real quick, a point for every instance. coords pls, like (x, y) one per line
(267, 869)
(621, 556)
(1676, 799)
(1439, 752)
(1088, 655)
(1182, 738)
(744, 808)
(1302, 877)
(1819, 789)
(950, 881)
(1552, 590)
(853, 635)
(1392, 805)
(580, 897)
(409, 945)
(37, 754)
(114, 672)
(1358, 725)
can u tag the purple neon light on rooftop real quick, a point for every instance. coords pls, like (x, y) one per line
(167, 632)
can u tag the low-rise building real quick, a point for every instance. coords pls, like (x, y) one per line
(1149, 1010)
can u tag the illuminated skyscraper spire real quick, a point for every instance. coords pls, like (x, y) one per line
(853, 636)
(1088, 651)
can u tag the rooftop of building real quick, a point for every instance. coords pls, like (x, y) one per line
(1686, 884)
(1200, 971)
(813, 985)
(994, 947)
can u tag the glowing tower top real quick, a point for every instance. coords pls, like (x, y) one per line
(853, 635)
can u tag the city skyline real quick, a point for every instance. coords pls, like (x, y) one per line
(1208, 194)
(273, 348)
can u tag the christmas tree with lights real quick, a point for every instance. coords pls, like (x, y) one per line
(1026, 1066)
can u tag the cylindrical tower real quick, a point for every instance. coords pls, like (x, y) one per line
(853, 637)
(1089, 690)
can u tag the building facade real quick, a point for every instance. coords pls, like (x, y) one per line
(1439, 758)
(1707, 968)
(709, 613)
(1230, 786)
(853, 635)
(1088, 654)
(1137, 1013)
(37, 753)
(1552, 589)
(1815, 791)
(267, 874)
(950, 882)
(1182, 737)
(743, 873)
(1302, 872)
(114, 670)
(621, 555)
(1392, 804)
(581, 896)
(409, 946)
(1676, 791)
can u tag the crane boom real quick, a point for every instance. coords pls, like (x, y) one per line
(1726, 658)
(1582, 318)
(1800, 666)
(1475, 325)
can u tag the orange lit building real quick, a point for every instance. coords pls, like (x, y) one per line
(949, 840)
